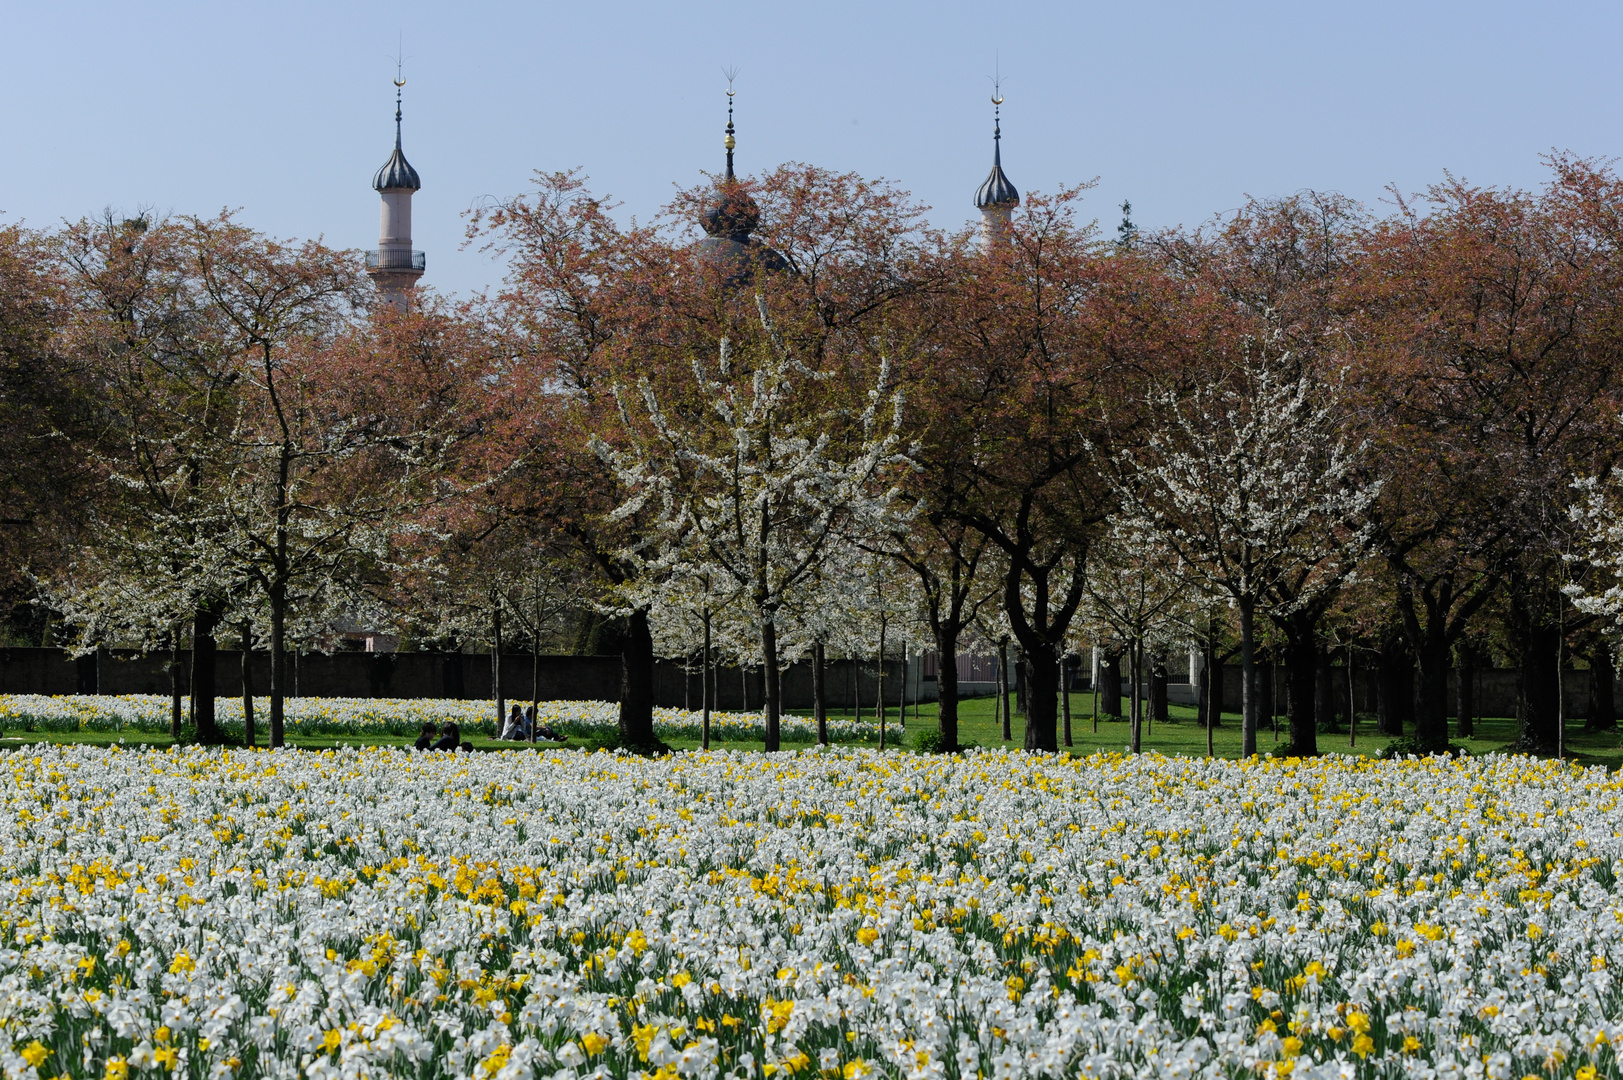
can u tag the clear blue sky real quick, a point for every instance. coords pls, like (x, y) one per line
(284, 109)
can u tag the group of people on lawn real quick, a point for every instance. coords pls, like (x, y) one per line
(516, 729)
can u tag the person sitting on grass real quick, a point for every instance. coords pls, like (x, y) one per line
(425, 738)
(515, 728)
(544, 731)
(450, 737)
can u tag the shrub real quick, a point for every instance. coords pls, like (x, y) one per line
(1403, 747)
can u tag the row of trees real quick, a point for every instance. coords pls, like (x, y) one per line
(1305, 425)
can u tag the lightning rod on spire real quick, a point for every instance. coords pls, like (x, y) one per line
(730, 141)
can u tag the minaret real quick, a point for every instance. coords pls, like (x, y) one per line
(729, 217)
(730, 142)
(996, 198)
(395, 267)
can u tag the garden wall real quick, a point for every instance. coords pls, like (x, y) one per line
(437, 675)
(1496, 690)
(468, 675)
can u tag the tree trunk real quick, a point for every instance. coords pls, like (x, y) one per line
(1268, 691)
(637, 685)
(278, 649)
(819, 691)
(1603, 678)
(769, 676)
(1352, 698)
(1211, 698)
(1431, 694)
(1324, 693)
(1065, 675)
(1394, 686)
(1135, 713)
(1538, 705)
(1042, 700)
(707, 691)
(174, 683)
(1199, 684)
(1212, 694)
(917, 684)
(1302, 668)
(1098, 667)
(1248, 678)
(907, 670)
(1159, 712)
(535, 668)
(777, 690)
(1465, 692)
(1003, 686)
(205, 620)
(855, 683)
(1110, 683)
(248, 732)
(878, 684)
(496, 662)
(946, 643)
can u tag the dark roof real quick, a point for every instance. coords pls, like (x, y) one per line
(996, 190)
(397, 172)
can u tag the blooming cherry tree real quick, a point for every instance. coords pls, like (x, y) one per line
(1139, 588)
(753, 487)
(1255, 488)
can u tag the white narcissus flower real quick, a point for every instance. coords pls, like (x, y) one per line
(378, 912)
(399, 717)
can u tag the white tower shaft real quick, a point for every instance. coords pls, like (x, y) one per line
(994, 226)
(395, 267)
(395, 232)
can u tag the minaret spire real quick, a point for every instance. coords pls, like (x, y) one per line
(399, 83)
(996, 197)
(729, 142)
(730, 215)
(997, 127)
(395, 267)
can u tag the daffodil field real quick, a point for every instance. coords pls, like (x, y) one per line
(834, 913)
(397, 717)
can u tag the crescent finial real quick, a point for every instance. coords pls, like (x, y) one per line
(400, 82)
(997, 99)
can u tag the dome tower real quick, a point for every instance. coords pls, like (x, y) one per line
(996, 198)
(728, 220)
(394, 267)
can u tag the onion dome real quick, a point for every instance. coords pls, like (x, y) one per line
(397, 173)
(729, 218)
(996, 192)
(732, 213)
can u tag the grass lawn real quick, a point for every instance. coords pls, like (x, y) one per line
(977, 726)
